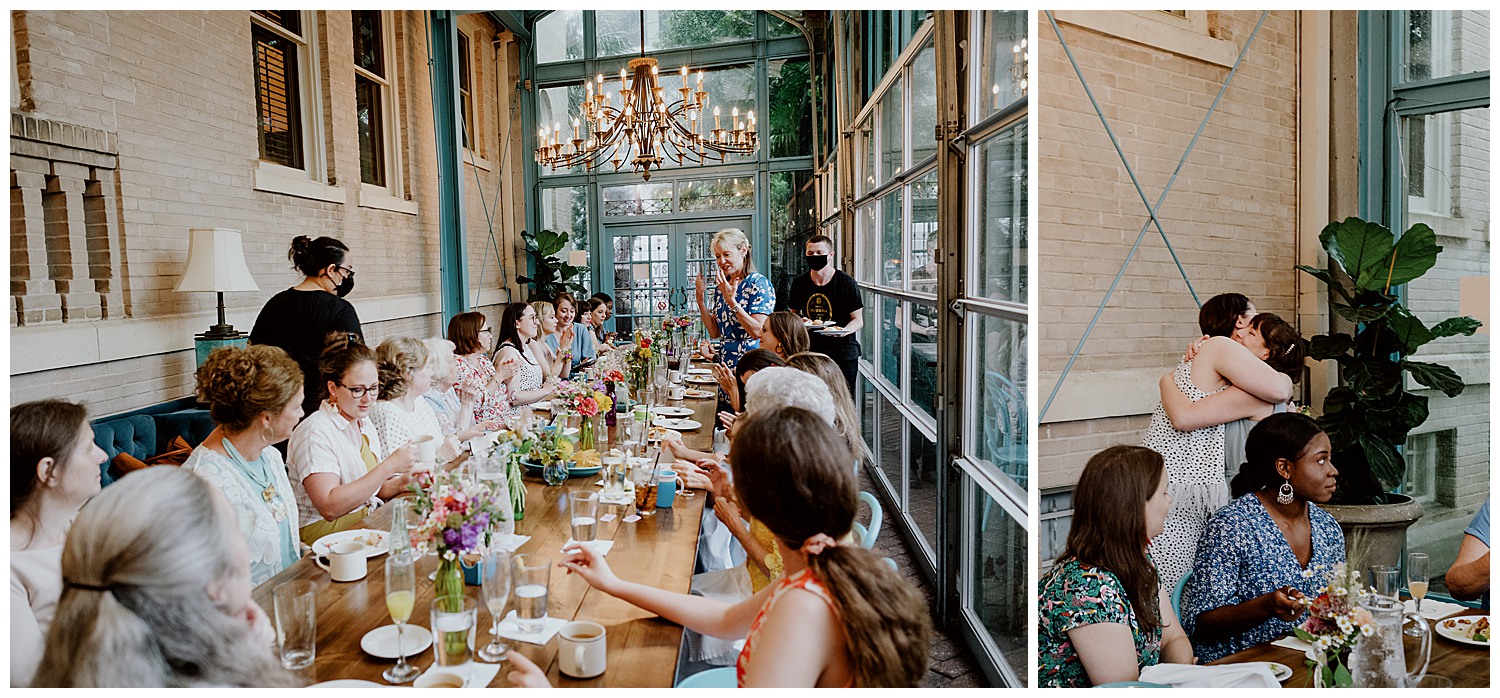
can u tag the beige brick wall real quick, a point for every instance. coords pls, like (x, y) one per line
(1231, 215)
(175, 93)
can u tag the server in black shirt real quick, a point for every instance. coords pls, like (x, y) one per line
(829, 295)
(299, 319)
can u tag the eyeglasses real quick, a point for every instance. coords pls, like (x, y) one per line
(344, 269)
(486, 330)
(358, 391)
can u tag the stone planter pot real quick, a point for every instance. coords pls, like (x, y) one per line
(1375, 533)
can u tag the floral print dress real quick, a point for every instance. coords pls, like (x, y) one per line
(756, 295)
(1075, 594)
(473, 374)
(1243, 555)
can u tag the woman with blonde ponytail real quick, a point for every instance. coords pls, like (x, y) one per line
(156, 593)
(839, 618)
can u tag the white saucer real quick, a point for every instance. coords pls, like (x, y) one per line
(667, 411)
(346, 683)
(381, 641)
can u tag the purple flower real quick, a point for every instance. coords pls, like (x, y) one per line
(451, 538)
(470, 537)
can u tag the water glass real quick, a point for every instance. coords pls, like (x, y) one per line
(614, 473)
(296, 609)
(584, 507)
(453, 621)
(1385, 580)
(530, 576)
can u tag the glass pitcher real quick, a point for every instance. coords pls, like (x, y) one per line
(1379, 660)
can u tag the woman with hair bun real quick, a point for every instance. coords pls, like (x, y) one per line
(401, 415)
(300, 318)
(335, 470)
(254, 394)
(156, 593)
(54, 469)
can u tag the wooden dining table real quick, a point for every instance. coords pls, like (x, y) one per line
(1467, 666)
(642, 649)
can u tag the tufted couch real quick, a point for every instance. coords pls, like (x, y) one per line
(146, 432)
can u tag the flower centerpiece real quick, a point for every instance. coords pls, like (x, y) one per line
(455, 518)
(553, 449)
(508, 448)
(640, 357)
(586, 400)
(1335, 624)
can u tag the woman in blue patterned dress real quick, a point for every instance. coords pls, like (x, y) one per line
(1102, 595)
(739, 313)
(1264, 552)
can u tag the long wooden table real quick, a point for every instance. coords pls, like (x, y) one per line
(642, 649)
(1467, 666)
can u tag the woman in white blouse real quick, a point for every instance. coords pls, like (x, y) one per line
(334, 468)
(520, 332)
(401, 415)
(254, 394)
(54, 470)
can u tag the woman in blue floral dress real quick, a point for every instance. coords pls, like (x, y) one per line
(1103, 594)
(738, 314)
(1264, 552)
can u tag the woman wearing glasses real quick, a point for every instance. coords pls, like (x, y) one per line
(479, 382)
(332, 456)
(299, 319)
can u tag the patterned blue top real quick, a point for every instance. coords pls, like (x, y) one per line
(755, 294)
(1242, 555)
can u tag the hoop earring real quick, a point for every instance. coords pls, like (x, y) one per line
(1284, 495)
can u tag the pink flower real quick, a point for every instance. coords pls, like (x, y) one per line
(645, 342)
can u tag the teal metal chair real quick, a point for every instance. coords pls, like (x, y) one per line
(867, 536)
(722, 677)
(1177, 594)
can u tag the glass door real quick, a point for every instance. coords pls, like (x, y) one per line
(654, 266)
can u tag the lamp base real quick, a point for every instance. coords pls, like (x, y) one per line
(206, 343)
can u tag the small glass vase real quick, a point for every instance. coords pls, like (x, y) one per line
(609, 416)
(555, 473)
(450, 578)
(517, 488)
(586, 434)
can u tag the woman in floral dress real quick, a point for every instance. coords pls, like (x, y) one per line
(476, 377)
(738, 314)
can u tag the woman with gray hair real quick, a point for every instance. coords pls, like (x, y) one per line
(455, 412)
(156, 593)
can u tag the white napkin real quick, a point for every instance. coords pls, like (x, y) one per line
(476, 674)
(600, 547)
(511, 631)
(1249, 675)
(1434, 610)
(510, 541)
(1292, 642)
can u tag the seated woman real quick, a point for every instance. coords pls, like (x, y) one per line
(455, 413)
(732, 381)
(54, 469)
(1103, 594)
(839, 617)
(1259, 363)
(254, 394)
(845, 419)
(595, 313)
(1254, 560)
(784, 334)
(400, 416)
(533, 379)
(478, 380)
(334, 469)
(156, 593)
(546, 315)
(569, 337)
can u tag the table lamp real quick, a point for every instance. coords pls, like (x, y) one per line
(216, 262)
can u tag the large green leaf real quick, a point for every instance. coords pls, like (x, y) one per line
(1435, 376)
(1462, 325)
(1327, 277)
(1408, 331)
(1365, 314)
(1342, 417)
(1393, 417)
(1414, 254)
(1386, 463)
(1373, 379)
(1358, 246)
(550, 243)
(1329, 346)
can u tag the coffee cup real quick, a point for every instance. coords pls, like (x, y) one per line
(427, 445)
(676, 392)
(580, 649)
(439, 679)
(674, 376)
(345, 562)
(666, 488)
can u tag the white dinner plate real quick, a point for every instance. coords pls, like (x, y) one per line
(1281, 671)
(700, 372)
(677, 424)
(1457, 629)
(669, 411)
(381, 641)
(542, 405)
(702, 380)
(836, 332)
(373, 539)
(696, 394)
(350, 683)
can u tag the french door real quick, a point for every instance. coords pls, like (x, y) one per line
(654, 264)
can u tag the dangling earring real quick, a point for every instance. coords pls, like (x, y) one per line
(1284, 495)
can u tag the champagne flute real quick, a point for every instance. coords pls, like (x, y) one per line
(495, 590)
(1416, 577)
(400, 596)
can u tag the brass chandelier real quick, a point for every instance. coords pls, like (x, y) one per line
(645, 130)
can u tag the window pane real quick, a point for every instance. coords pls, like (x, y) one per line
(922, 487)
(890, 340)
(866, 410)
(617, 32)
(996, 431)
(718, 194)
(777, 28)
(923, 357)
(997, 563)
(556, 107)
(566, 210)
(919, 257)
(924, 116)
(867, 331)
(1001, 72)
(638, 300)
(792, 223)
(368, 114)
(290, 20)
(559, 36)
(465, 93)
(1002, 235)
(277, 102)
(889, 455)
(1442, 43)
(367, 43)
(790, 110)
(667, 29)
(892, 133)
(644, 199)
(890, 239)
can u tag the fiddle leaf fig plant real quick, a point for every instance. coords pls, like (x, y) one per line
(551, 275)
(1369, 415)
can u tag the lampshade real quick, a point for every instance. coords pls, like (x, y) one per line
(216, 262)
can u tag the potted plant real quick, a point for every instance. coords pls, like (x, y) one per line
(551, 275)
(1370, 413)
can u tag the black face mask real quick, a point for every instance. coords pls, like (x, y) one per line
(344, 288)
(816, 262)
